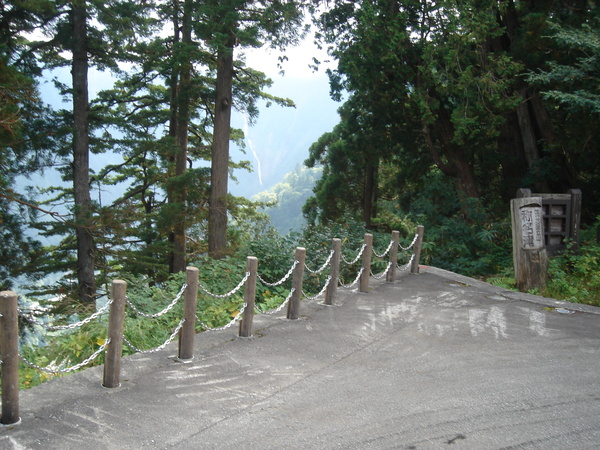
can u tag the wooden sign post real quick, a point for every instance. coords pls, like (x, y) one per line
(529, 251)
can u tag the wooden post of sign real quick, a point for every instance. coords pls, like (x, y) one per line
(575, 216)
(293, 311)
(188, 329)
(391, 274)
(9, 352)
(249, 295)
(334, 271)
(414, 268)
(363, 284)
(529, 251)
(114, 350)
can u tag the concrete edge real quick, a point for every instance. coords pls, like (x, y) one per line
(513, 295)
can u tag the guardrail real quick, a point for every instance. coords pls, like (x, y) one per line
(186, 329)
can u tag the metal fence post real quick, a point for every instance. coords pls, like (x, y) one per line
(9, 352)
(391, 275)
(414, 268)
(112, 361)
(188, 329)
(297, 277)
(334, 271)
(249, 294)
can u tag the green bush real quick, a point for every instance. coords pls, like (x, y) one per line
(575, 276)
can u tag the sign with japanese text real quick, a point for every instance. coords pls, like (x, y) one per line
(532, 232)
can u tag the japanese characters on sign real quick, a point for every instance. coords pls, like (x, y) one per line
(532, 233)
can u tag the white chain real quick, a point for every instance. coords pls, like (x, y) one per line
(283, 279)
(407, 264)
(411, 244)
(164, 311)
(323, 266)
(320, 293)
(160, 347)
(386, 250)
(348, 286)
(360, 252)
(71, 325)
(379, 277)
(224, 327)
(69, 369)
(274, 311)
(230, 293)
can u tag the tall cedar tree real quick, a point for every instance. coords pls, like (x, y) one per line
(73, 42)
(163, 106)
(226, 25)
(454, 72)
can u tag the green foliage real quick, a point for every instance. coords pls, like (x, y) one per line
(572, 79)
(575, 276)
(62, 350)
(465, 238)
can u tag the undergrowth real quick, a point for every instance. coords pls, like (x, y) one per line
(573, 276)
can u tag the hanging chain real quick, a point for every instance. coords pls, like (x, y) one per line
(224, 327)
(320, 293)
(160, 347)
(407, 265)
(230, 293)
(69, 369)
(411, 244)
(71, 326)
(360, 252)
(274, 311)
(164, 311)
(387, 250)
(323, 266)
(287, 275)
(383, 274)
(348, 286)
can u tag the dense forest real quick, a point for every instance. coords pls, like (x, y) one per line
(449, 107)
(168, 114)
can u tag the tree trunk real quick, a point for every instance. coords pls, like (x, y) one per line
(455, 164)
(514, 164)
(217, 214)
(465, 178)
(181, 135)
(81, 182)
(530, 138)
(527, 132)
(369, 193)
(173, 120)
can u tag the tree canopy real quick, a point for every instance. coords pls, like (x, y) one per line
(161, 116)
(449, 107)
(495, 95)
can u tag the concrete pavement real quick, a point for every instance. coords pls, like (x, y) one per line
(432, 361)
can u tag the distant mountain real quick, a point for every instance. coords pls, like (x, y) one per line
(290, 195)
(280, 139)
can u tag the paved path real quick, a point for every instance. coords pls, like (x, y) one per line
(432, 361)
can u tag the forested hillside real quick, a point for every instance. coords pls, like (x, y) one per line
(287, 198)
(179, 70)
(449, 108)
